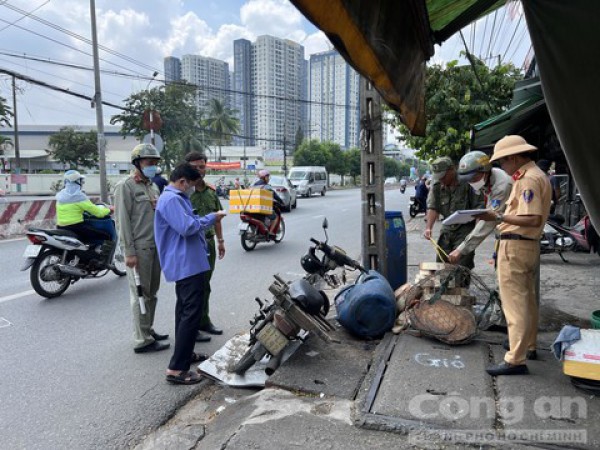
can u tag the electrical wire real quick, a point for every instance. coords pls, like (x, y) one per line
(25, 15)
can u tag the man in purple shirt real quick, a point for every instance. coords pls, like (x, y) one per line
(179, 236)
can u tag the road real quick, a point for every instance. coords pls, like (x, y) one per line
(69, 377)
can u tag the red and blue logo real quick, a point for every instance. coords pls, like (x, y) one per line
(527, 195)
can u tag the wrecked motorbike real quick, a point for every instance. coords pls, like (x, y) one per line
(560, 238)
(297, 309)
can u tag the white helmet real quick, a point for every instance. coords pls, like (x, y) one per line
(73, 176)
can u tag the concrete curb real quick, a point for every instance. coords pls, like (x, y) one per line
(16, 217)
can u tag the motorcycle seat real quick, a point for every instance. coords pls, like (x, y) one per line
(556, 219)
(308, 297)
(66, 233)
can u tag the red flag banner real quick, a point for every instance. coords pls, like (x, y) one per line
(224, 165)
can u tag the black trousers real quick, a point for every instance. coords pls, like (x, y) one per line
(87, 232)
(188, 312)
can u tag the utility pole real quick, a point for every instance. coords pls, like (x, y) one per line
(98, 103)
(372, 195)
(284, 156)
(16, 129)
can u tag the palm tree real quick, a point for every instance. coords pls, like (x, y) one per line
(221, 121)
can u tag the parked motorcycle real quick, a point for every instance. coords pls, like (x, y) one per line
(416, 207)
(560, 238)
(254, 228)
(222, 191)
(297, 309)
(58, 258)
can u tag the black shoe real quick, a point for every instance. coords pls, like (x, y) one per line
(211, 329)
(201, 337)
(159, 337)
(154, 347)
(531, 354)
(507, 369)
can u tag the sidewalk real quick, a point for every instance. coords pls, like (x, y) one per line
(409, 392)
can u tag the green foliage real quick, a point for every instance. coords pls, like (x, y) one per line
(222, 122)
(455, 101)
(312, 153)
(74, 148)
(391, 168)
(352, 157)
(180, 118)
(5, 113)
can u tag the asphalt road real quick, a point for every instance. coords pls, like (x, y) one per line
(68, 374)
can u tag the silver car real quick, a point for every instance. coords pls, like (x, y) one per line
(285, 190)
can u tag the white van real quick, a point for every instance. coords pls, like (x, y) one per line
(309, 180)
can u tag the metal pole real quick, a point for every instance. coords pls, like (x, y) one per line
(372, 195)
(16, 129)
(98, 103)
(284, 156)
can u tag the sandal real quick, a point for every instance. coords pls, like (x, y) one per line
(185, 377)
(199, 357)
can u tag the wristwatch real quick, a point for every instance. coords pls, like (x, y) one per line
(499, 217)
(221, 240)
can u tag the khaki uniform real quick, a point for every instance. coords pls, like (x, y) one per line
(445, 200)
(518, 260)
(134, 213)
(204, 202)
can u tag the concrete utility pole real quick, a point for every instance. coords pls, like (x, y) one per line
(98, 103)
(371, 162)
(17, 167)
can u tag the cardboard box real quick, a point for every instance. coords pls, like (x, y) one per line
(582, 358)
(255, 201)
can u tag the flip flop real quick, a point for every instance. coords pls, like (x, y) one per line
(185, 377)
(199, 357)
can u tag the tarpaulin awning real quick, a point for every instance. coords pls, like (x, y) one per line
(223, 165)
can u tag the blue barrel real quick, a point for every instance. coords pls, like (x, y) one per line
(368, 307)
(395, 240)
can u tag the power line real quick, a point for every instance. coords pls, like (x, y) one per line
(25, 15)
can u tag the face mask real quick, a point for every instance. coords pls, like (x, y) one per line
(478, 185)
(149, 171)
(189, 191)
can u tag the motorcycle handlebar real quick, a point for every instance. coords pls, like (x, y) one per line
(340, 258)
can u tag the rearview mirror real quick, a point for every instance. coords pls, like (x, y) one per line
(325, 223)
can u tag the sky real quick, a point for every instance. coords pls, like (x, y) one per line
(136, 36)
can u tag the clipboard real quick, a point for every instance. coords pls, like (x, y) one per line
(463, 216)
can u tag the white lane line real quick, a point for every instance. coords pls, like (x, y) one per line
(8, 298)
(6, 241)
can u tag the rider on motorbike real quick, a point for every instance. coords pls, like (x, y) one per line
(72, 203)
(263, 182)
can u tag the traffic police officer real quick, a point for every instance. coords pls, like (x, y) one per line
(519, 230)
(135, 201)
(447, 195)
(205, 200)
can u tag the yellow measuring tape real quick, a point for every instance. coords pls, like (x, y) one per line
(439, 250)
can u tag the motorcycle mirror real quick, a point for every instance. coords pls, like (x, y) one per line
(325, 223)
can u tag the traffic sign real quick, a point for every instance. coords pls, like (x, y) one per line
(158, 141)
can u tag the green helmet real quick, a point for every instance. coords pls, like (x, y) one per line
(144, 151)
(473, 163)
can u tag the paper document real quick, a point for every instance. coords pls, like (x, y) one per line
(463, 216)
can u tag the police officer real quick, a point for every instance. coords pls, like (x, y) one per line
(135, 201)
(204, 201)
(447, 195)
(519, 230)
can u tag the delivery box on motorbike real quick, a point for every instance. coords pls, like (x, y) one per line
(368, 307)
(254, 201)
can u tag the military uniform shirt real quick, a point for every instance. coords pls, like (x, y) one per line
(445, 200)
(206, 201)
(497, 195)
(531, 196)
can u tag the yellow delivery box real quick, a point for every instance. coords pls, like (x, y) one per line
(255, 201)
(582, 358)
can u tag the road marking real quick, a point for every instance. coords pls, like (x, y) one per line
(6, 241)
(8, 298)
(4, 323)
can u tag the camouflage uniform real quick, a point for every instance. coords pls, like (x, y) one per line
(206, 201)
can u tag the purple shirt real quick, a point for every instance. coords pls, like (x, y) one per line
(179, 236)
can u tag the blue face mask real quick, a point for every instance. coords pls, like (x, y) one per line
(149, 171)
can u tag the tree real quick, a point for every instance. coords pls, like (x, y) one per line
(336, 163)
(391, 168)
(352, 158)
(311, 153)
(74, 148)
(180, 117)
(221, 122)
(5, 113)
(455, 101)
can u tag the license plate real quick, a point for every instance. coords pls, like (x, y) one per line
(273, 339)
(31, 251)
(243, 227)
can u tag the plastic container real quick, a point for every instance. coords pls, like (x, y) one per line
(368, 308)
(395, 239)
(595, 320)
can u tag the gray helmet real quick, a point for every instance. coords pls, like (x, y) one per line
(144, 151)
(473, 163)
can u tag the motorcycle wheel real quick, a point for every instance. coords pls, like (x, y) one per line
(281, 233)
(248, 244)
(119, 267)
(44, 267)
(254, 354)
(413, 211)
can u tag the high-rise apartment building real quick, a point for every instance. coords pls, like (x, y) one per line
(210, 75)
(334, 100)
(172, 69)
(242, 87)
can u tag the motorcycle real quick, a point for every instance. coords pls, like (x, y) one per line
(222, 191)
(254, 228)
(402, 188)
(297, 309)
(560, 238)
(58, 258)
(416, 207)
